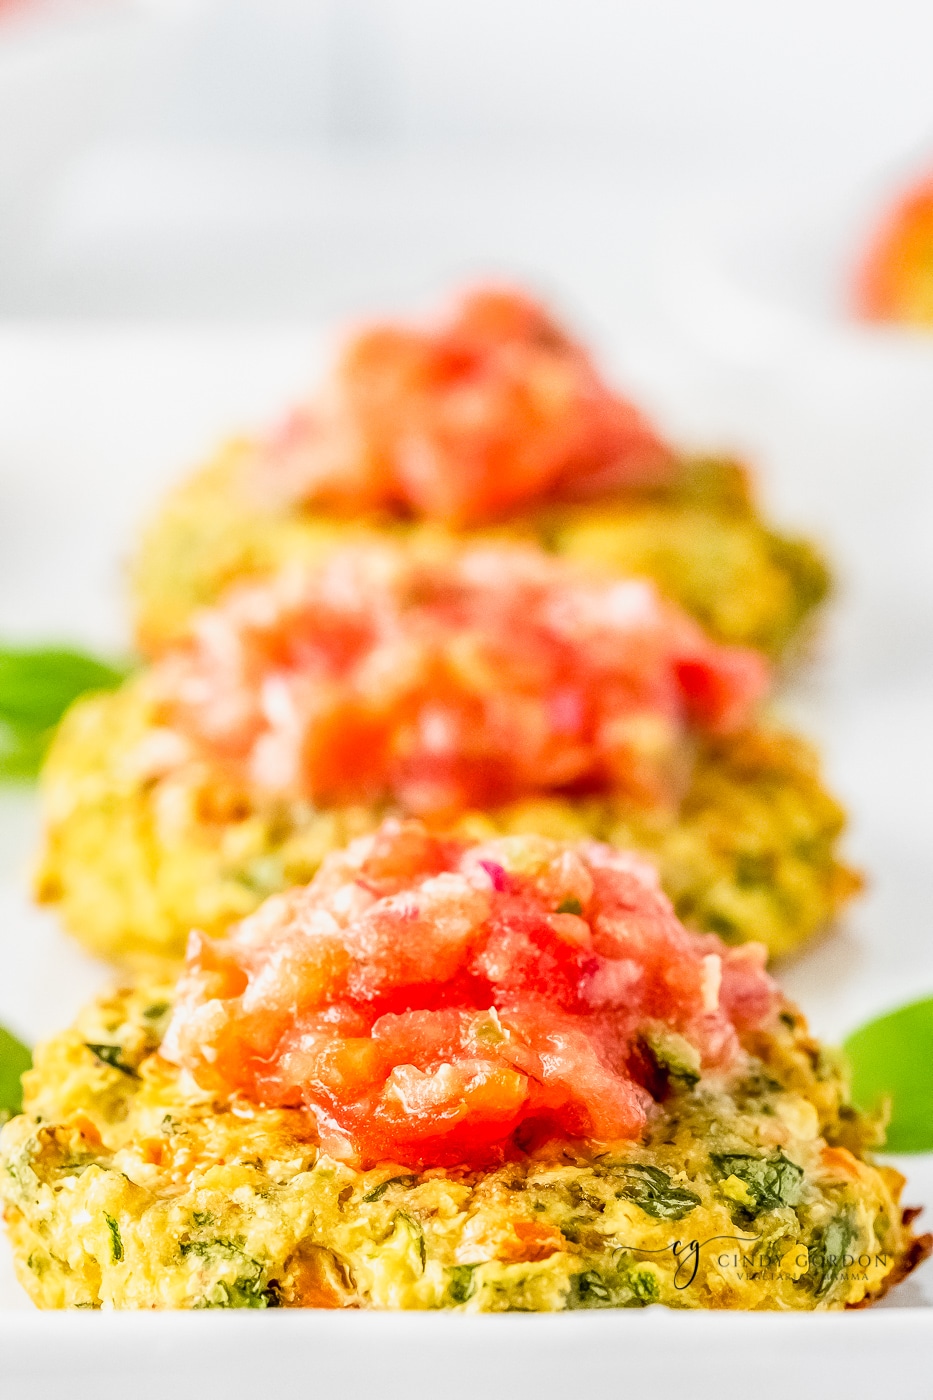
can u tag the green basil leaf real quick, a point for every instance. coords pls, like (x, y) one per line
(37, 684)
(15, 1059)
(21, 749)
(892, 1060)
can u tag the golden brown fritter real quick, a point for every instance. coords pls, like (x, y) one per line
(702, 539)
(138, 851)
(125, 1186)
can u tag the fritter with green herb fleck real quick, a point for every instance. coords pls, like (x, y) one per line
(493, 419)
(137, 1190)
(488, 1076)
(484, 688)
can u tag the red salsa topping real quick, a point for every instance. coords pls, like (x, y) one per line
(442, 681)
(489, 411)
(433, 1002)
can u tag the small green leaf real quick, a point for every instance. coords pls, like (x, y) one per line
(892, 1062)
(15, 1059)
(37, 684)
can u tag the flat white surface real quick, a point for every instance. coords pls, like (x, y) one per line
(94, 422)
(359, 1356)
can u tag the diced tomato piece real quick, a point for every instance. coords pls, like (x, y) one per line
(720, 691)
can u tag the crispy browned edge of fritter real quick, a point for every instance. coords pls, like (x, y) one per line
(918, 1250)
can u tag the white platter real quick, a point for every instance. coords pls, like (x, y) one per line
(92, 425)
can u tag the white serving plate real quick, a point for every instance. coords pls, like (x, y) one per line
(93, 422)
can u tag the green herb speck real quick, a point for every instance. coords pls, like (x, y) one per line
(112, 1056)
(652, 1191)
(377, 1193)
(570, 906)
(116, 1241)
(771, 1181)
(462, 1284)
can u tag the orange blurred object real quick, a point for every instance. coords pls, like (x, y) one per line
(491, 410)
(895, 282)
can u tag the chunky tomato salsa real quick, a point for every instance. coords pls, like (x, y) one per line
(452, 680)
(489, 411)
(434, 1002)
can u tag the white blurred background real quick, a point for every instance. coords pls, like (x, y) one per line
(270, 159)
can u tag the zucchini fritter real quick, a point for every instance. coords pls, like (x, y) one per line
(138, 852)
(127, 1187)
(700, 538)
